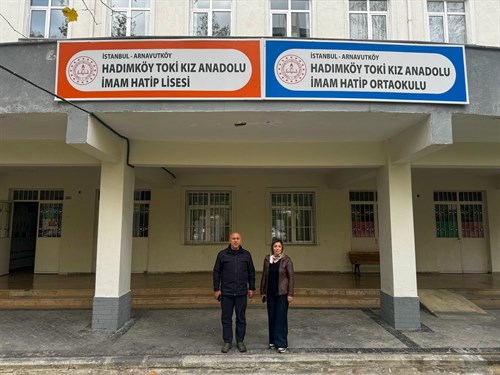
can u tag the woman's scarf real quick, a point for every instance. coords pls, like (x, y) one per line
(275, 258)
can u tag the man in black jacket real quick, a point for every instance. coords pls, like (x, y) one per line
(234, 280)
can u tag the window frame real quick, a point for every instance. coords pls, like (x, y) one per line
(210, 11)
(445, 15)
(48, 9)
(140, 219)
(288, 12)
(187, 207)
(128, 10)
(370, 15)
(313, 230)
(456, 201)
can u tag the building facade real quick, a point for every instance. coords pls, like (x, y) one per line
(156, 184)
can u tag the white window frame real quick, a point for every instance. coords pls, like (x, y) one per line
(370, 14)
(293, 230)
(444, 14)
(128, 11)
(209, 11)
(188, 235)
(288, 14)
(48, 11)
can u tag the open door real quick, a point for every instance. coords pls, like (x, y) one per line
(23, 244)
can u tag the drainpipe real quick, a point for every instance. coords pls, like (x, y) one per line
(410, 19)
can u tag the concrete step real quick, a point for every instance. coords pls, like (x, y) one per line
(181, 298)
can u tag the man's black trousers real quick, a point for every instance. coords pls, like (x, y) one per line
(238, 304)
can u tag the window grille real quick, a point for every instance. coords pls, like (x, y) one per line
(50, 220)
(211, 17)
(208, 216)
(140, 226)
(447, 21)
(363, 213)
(293, 217)
(25, 195)
(291, 18)
(465, 213)
(368, 19)
(130, 17)
(51, 195)
(47, 19)
(5, 214)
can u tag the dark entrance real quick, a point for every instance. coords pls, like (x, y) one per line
(23, 245)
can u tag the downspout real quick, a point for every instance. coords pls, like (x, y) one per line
(410, 19)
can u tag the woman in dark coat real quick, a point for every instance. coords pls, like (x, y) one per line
(276, 287)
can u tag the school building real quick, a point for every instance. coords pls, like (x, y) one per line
(136, 139)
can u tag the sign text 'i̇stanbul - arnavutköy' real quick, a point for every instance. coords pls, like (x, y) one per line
(232, 69)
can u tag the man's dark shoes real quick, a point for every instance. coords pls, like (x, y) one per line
(241, 347)
(226, 347)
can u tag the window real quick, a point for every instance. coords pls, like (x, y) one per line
(130, 17)
(465, 213)
(211, 17)
(447, 21)
(293, 217)
(363, 213)
(368, 19)
(208, 216)
(47, 19)
(291, 18)
(140, 226)
(5, 214)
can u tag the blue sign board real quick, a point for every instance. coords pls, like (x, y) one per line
(358, 71)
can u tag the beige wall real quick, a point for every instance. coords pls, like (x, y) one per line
(164, 250)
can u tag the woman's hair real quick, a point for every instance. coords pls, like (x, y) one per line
(276, 240)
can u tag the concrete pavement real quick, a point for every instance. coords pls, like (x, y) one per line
(339, 341)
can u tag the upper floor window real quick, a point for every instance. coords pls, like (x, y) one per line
(47, 19)
(291, 18)
(211, 17)
(447, 21)
(368, 19)
(130, 17)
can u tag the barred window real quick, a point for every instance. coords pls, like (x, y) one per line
(363, 213)
(462, 210)
(5, 214)
(140, 227)
(208, 215)
(368, 19)
(50, 220)
(447, 21)
(293, 217)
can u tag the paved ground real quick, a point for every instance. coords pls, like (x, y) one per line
(189, 340)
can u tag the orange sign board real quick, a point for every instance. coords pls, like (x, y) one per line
(159, 69)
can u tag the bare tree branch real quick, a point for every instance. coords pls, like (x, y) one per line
(12, 27)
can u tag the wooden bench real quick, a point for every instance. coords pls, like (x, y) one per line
(358, 258)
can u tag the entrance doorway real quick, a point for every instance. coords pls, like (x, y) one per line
(23, 244)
